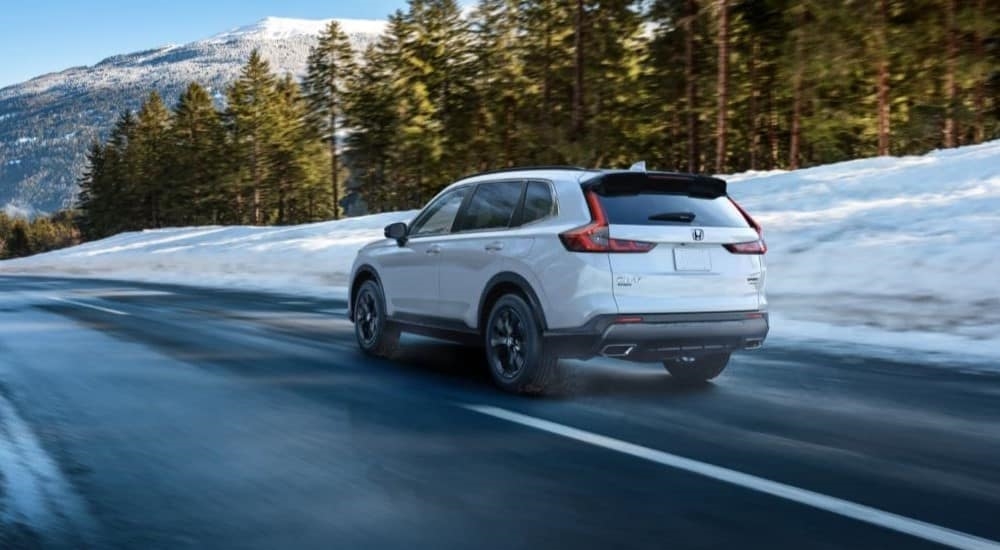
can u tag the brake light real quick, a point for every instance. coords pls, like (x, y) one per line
(753, 247)
(596, 235)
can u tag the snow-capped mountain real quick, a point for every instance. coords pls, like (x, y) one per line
(47, 123)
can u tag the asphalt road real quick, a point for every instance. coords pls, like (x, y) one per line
(148, 416)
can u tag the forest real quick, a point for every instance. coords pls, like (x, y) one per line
(718, 86)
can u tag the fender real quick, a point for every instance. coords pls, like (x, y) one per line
(513, 279)
(363, 269)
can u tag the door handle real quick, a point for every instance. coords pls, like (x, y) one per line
(433, 249)
(494, 247)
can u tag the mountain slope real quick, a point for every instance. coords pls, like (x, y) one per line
(47, 123)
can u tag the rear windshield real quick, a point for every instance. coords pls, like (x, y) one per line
(652, 208)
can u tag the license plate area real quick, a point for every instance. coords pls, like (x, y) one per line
(692, 259)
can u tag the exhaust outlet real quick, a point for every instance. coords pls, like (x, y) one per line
(753, 343)
(617, 350)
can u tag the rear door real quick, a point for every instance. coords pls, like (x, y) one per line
(689, 269)
(476, 251)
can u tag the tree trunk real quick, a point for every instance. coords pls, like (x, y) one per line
(547, 83)
(334, 168)
(754, 135)
(949, 80)
(979, 94)
(883, 80)
(577, 123)
(691, 90)
(722, 87)
(281, 203)
(255, 176)
(772, 122)
(794, 144)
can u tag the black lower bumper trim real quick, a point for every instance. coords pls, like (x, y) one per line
(661, 336)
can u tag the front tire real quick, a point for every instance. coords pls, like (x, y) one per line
(702, 369)
(376, 334)
(514, 349)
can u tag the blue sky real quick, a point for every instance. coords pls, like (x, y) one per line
(41, 36)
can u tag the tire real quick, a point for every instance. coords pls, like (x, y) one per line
(376, 334)
(702, 369)
(514, 349)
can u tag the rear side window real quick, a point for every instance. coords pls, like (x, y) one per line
(652, 208)
(537, 202)
(492, 206)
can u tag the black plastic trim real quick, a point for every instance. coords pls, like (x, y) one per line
(691, 184)
(436, 327)
(659, 336)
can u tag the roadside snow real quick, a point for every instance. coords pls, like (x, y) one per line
(899, 252)
(306, 259)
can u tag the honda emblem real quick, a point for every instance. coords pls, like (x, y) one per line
(698, 234)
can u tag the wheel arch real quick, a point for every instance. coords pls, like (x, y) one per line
(364, 273)
(505, 283)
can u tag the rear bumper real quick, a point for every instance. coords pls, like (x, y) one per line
(659, 337)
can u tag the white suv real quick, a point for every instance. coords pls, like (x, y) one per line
(538, 264)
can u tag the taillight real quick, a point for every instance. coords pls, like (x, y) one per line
(596, 235)
(753, 247)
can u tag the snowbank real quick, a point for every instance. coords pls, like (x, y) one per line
(894, 251)
(306, 259)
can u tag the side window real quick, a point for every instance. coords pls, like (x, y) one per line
(439, 215)
(537, 202)
(492, 206)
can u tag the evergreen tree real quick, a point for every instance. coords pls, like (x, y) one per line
(198, 194)
(148, 152)
(330, 63)
(251, 100)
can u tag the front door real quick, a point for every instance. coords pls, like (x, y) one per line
(410, 273)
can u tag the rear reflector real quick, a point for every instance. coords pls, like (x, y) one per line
(623, 320)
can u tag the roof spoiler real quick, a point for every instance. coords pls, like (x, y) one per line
(633, 183)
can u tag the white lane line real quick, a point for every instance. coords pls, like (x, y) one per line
(860, 512)
(82, 304)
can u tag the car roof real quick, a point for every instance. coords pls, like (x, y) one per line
(571, 173)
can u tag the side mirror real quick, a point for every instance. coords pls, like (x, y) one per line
(396, 231)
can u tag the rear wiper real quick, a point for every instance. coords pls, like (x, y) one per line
(686, 217)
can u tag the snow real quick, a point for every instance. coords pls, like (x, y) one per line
(894, 253)
(279, 28)
(311, 259)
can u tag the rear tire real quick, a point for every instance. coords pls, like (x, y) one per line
(514, 348)
(702, 369)
(376, 334)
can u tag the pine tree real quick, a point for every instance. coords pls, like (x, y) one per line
(149, 151)
(251, 101)
(370, 111)
(331, 61)
(93, 193)
(297, 160)
(198, 194)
